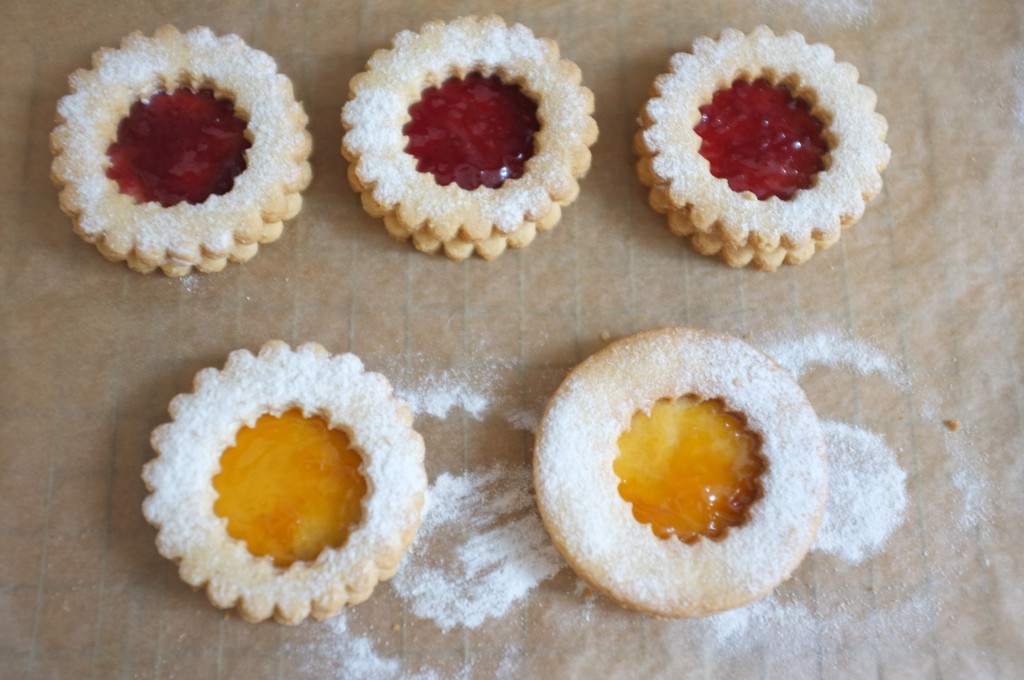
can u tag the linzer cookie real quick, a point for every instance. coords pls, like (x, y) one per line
(468, 136)
(681, 472)
(181, 150)
(286, 484)
(760, 148)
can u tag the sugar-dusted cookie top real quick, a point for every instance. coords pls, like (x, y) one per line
(180, 150)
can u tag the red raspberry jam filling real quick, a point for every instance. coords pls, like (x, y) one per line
(761, 139)
(182, 146)
(475, 131)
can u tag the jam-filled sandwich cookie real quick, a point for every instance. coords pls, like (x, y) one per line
(681, 472)
(760, 148)
(287, 484)
(468, 136)
(181, 150)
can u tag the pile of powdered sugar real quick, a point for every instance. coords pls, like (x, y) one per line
(867, 495)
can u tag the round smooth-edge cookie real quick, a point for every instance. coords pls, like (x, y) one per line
(594, 528)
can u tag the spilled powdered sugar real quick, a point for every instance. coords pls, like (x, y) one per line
(967, 474)
(355, 656)
(1018, 80)
(835, 351)
(190, 282)
(437, 394)
(825, 12)
(788, 629)
(480, 388)
(524, 420)
(481, 548)
(867, 495)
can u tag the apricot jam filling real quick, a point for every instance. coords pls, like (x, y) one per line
(689, 469)
(475, 131)
(762, 139)
(290, 487)
(178, 146)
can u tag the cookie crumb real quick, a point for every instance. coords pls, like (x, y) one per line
(605, 336)
(396, 627)
(587, 593)
(952, 425)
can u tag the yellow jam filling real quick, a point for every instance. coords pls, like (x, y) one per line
(290, 487)
(689, 469)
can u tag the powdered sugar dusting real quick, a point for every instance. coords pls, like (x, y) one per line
(481, 548)
(797, 355)
(825, 12)
(967, 476)
(836, 626)
(867, 495)
(1018, 72)
(354, 656)
(834, 350)
(480, 387)
(789, 629)
(190, 282)
(437, 394)
(524, 420)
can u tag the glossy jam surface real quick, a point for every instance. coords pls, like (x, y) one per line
(178, 146)
(689, 469)
(474, 131)
(289, 487)
(761, 139)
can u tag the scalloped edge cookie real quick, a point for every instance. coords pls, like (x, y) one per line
(205, 235)
(593, 526)
(737, 227)
(204, 424)
(449, 218)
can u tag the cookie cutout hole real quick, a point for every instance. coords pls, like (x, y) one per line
(474, 131)
(690, 468)
(762, 138)
(179, 146)
(290, 487)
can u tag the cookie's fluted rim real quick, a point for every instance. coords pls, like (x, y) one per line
(204, 424)
(735, 225)
(449, 218)
(182, 237)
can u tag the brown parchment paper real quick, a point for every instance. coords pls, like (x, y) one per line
(91, 353)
